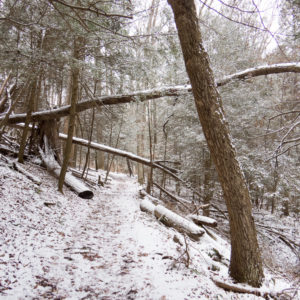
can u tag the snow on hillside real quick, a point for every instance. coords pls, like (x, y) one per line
(55, 246)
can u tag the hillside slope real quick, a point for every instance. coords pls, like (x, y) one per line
(55, 246)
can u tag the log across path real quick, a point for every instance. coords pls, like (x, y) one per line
(155, 93)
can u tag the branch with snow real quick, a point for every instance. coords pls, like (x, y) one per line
(156, 93)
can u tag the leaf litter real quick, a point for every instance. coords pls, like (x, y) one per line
(103, 248)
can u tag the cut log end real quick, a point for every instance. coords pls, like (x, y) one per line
(86, 194)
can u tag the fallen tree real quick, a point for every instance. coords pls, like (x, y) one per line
(16, 166)
(173, 197)
(114, 151)
(54, 168)
(128, 155)
(171, 219)
(170, 91)
(238, 288)
(147, 206)
(202, 220)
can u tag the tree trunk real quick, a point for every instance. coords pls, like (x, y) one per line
(245, 263)
(30, 107)
(207, 183)
(72, 116)
(140, 119)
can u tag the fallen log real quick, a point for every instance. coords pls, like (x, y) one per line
(147, 206)
(88, 181)
(171, 219)
(173, 91)
(128, 155)
(30, 176)
(8, 151)
(53, 167)
(202, 220)
(239, 289)
(16, 166)
(118, 152)
(175, 198)
(154, 200)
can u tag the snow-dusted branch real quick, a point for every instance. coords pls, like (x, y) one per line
(261, 70)
(171, 91)
(117, 152)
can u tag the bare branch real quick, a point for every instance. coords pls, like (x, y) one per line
(285, 113)
(238, 22)
(96, 10)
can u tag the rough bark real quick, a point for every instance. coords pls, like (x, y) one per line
(171, 91)
(245, 262)
(141, 120)
(49, 129)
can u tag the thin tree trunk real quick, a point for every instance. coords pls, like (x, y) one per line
(140, 114)
(87, 157)
(4, 121)
(2, 103)
(245, 263)
(30, 106)
(207, 183)
(150, 172)
(72, 117)
(110, 163)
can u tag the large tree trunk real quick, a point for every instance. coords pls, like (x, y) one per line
(245, 263)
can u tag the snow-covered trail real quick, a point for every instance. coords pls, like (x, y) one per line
(124, 250)
(103, 248)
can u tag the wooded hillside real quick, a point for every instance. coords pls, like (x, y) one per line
(197, 99)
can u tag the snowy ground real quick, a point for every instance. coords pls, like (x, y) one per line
(104, 248)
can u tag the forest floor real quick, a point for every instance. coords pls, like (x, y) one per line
(55, 246)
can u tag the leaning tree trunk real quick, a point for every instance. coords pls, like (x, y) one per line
(245, 263)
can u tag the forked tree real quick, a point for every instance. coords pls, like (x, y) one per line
(245, 262)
